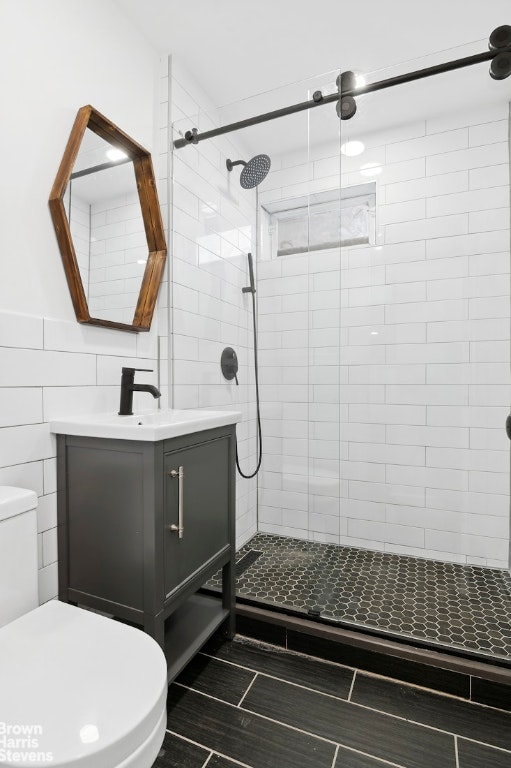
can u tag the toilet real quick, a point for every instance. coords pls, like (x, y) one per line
(76, 688)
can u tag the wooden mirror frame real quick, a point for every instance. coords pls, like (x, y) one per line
(88, 117)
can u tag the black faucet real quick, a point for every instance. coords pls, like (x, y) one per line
(128, 386)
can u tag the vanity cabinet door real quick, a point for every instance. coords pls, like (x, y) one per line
(197, 482)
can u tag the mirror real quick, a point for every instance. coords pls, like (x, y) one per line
(106, 214)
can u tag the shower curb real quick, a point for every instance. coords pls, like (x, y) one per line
(478, 681)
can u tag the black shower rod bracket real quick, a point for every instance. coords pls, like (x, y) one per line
(498, 54)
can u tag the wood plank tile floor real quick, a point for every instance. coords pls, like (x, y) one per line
(247, 705)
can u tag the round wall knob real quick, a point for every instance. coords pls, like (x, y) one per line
(229, 363)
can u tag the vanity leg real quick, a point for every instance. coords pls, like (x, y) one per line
(155, 626)
(229, 599)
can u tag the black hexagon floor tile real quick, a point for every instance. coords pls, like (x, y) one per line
(462, 606)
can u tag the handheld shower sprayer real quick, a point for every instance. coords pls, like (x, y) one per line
(250, 288)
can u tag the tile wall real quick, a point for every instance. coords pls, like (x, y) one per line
(50, 367)
(384, 428)
(214, 227)
(111, 250)
(78, 216)
(53, 368)
(401, 349)
(49, 364)
(118, 257)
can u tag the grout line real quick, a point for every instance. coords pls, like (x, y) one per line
(282, 679)
(257, 714)
(456, 752)
(352, 704)
(185, 738)
(208, 749)
(245, 765)
(367, 673)
(378, 760)
(235, 763)
(483, 743)
(352, 685)
(394, 681)
(286, 652)
(422, 725)
(431, 691)
(248, 689)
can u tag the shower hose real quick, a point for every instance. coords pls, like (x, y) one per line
(259, 431)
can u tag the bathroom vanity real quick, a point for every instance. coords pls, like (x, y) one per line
(146, 515)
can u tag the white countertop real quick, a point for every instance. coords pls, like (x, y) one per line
(153, 426)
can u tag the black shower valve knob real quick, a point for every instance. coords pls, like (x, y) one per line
(229, 364)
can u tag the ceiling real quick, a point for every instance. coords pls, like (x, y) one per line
(236, 48)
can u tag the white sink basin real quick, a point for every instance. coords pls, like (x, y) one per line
(157, 425)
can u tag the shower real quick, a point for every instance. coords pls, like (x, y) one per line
(382, 504)
(254, 172)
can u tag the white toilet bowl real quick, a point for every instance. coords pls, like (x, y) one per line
(86, 690)
(78, 689)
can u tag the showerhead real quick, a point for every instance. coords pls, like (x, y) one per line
(254, 172)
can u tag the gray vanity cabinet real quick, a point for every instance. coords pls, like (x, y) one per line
(142, 526)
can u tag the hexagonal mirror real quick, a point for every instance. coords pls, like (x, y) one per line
(107, 219)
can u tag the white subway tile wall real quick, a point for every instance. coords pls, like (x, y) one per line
(118, 257)
(214, 227)
(385, 369)
(56, 368)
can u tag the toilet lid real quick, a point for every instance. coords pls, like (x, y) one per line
(76, 688)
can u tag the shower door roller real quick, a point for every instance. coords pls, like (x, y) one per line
(508, 426)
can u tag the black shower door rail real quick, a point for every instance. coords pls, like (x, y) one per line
(504, 70)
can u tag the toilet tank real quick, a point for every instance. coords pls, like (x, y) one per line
(18, 553)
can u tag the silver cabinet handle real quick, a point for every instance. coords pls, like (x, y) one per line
(179, 473)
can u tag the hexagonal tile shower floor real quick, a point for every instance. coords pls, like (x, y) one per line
(460, 606)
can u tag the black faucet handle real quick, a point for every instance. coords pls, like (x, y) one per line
(132, 370)
(128, 386)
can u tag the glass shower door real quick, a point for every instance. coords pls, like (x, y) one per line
(425, 313)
